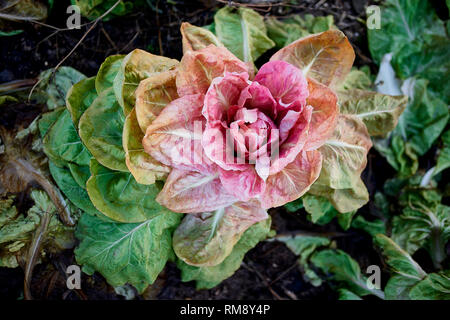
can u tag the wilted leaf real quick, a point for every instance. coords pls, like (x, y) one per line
(133, 253)
(206, 239)
(137, 66)
(101, 127)
(56, 85)
(196, 38)
(142, 166)
(118, 196)
(209, 277)
(20, 11)
(326, 57)
(243, 32)
(94, 9)
(379, 112)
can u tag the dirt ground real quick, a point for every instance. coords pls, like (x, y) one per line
(270, 270)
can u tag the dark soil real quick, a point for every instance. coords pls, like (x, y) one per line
(269, 271)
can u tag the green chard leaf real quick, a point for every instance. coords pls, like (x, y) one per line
(209, 277)
(133, 253)
(243, 32)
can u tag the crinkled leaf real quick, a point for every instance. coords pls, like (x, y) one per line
(101, 127)
(79, 97)
(196, 38)
(326, 57)
(206, 239)
(243, 32)
(152, 95)
(133, 253)
(137, 66)
(422, 225)
(379, 112)
(209, 277)
(344, 270)
(118, 196)
(357, 79)
(56, 85)
(319, 208)
(142, 166)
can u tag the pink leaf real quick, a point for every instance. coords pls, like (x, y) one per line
(193, 192)
(293, 181)
(197, 69)
(244, 185)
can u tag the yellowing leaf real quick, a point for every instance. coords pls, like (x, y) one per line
(206, 239)
(379, 112)
(326, 57)
(136, 66)
(152, 95)
(142, 166)
(196, 38)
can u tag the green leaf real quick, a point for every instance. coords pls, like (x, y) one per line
(356, 79)
(403, 22)
(345, 219)
(62, 142)
(71, 189)
(398, 259)
(345, 294)
(48, 119)
(10, 33)
(371, 227)
(92, 9)
(56, 85)
(379, 112)
(436, 286)
(243, 32)
(304, 246)
(133, 253)
(118, 196)
(196, 38)
(443, 160)
(294, 206)
(107, 72)
(344, 270)
(101, 127)
(137, 66)
(422, 225)
(320, 209)
(206, 239)
(344, 158)
(79, 97)
(209, 277)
